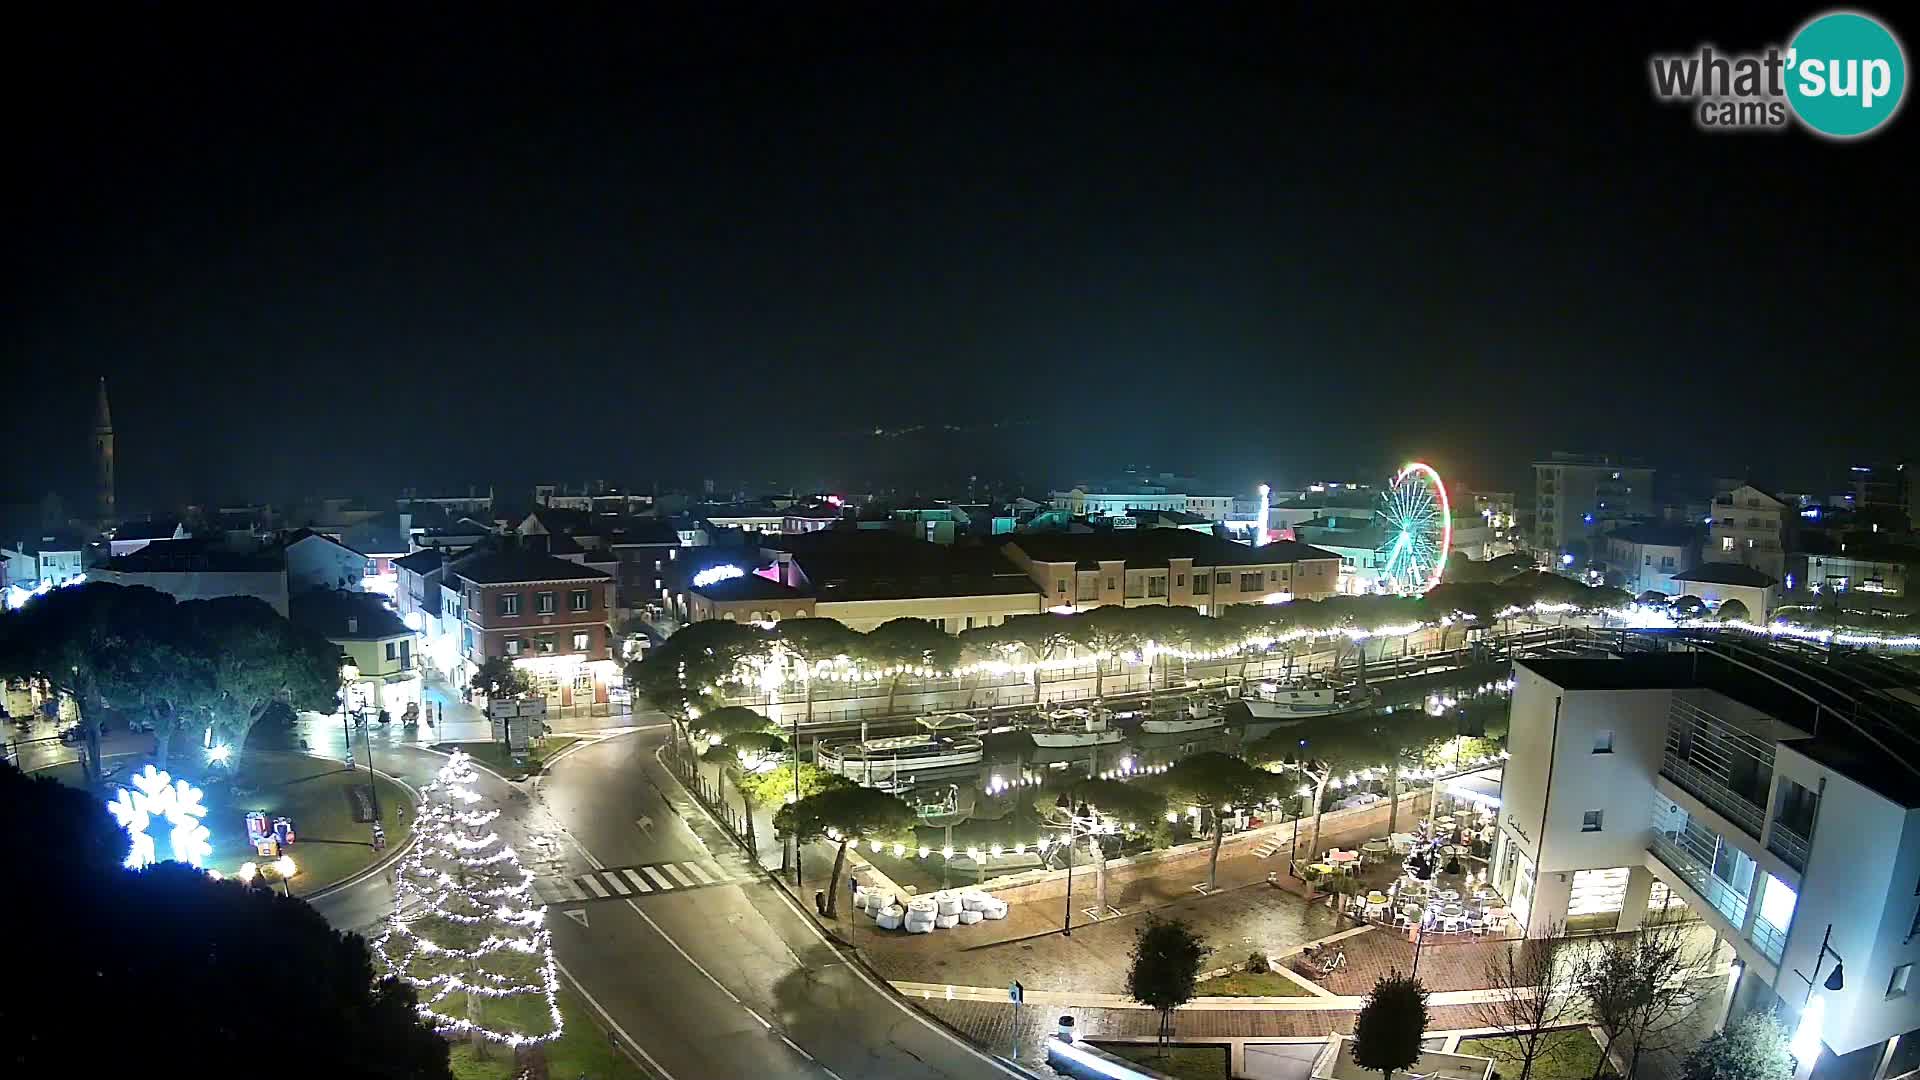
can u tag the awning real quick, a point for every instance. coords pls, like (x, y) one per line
(1482, 787)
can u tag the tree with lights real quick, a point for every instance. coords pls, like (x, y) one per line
(467, 932)
(1214, 781)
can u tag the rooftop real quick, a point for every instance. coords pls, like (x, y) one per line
(197, 557)
(517, 565)
(424, 561)
(1719, 573)
(1657, 535)
(1146, 548)
(326, 611)
(748, 587)
(299, 535)
(156, 529)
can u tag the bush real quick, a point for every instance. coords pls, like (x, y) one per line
(1257, 963)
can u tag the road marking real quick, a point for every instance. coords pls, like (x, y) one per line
(645, 824)
(618, 885)
(638, 881)
(593, 883)
(658, 878)
(897, 1000)
(578, 915)
(762, 1019)
(678, 876)
(694, 869)
(615, 1024)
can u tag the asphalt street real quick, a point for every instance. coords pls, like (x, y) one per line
(725, 978)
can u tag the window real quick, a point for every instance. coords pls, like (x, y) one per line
(1060, 586)
(1749, 542)
(1223, 578)
(1157, 585)
(543, 603)
(577, 600)
(1666, 562)
(466, 640)
(1897, 986)
(513, 646)
(1726, 543)
(1590, 821)
(580, 640)
(1109, 582)
(510, 603)
(1250, 582)
(393, 650)
(1180, 580)
(1202, 583)
(1603, 742)
(544, 643)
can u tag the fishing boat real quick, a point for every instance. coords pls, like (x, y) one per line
(892, 762)
(1302, 699)
(1074, 727)
(1196, 716)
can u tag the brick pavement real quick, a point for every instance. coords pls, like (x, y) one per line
(1246, 914)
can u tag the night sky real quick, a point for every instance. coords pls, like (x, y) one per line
(359, 253)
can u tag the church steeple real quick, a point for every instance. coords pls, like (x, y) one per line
(103, 459)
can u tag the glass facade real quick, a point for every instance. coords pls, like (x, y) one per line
(1770, 928)
(1721, 873)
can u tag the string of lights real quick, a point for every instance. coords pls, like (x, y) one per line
(458, 876)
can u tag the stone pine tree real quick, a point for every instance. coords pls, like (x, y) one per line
(846, 815)
(1165, 969)
(1754, 1047)
(467, 931)
(1387, 1033)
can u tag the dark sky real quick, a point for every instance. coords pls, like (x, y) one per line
(363, 253)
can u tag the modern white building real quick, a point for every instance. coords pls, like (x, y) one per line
(1752, 528)
(1773, 797)
(1644, 558)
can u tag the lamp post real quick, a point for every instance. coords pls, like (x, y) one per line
(1074, 822)
(1805, 1046)
(286, 868)
(350, 673)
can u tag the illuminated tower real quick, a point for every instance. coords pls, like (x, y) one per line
(1259, 532)
(103, 459)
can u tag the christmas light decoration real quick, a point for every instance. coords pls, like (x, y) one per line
(155, 794)
(467, 931)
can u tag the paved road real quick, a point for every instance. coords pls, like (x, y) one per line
(724, 979)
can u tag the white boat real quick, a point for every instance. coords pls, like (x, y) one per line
(892, 762)
(1074, 727)
(1197, 716)
(1302, 699)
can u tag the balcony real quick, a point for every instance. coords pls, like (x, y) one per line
(1789, 845)
(1682, 860)
(1769, 939)
(1722, 800)
(1719, 762)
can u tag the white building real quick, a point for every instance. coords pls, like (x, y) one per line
(1746, 784)
(317, 561)
(1718, 584)
(1645, 558)
(50, 558)
(1750, 527)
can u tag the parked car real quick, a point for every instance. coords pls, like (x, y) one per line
(140, 727)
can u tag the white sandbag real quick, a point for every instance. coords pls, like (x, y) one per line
(995, 909)
(968, 918)
(949, 904)
(925, 904)
(860, 899)
(946, 921)
(974, 901)
(890, 917)
(915, 927)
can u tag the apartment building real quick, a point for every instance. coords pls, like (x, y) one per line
(1077, 572)
(1578, 497)
(381, 645)
(1645, 558)
(549, 615)
(1771, 796)
(1752, 528)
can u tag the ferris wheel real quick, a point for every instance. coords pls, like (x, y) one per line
(1416, 528)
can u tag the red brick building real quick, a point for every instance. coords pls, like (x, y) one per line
(549, 615)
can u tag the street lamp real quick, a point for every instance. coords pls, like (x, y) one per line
(284, 866)
(1318, 791)
(1075, 822)
(1805, 1045)
(352, 695)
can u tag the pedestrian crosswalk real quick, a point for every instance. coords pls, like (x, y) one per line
(624, 882)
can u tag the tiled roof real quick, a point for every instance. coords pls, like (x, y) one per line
(1719, 573)
(507, 567)
(326, 612)
(1154, 547)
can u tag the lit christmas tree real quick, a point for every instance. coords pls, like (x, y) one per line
(467, 930)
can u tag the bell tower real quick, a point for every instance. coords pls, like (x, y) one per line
(103, 459)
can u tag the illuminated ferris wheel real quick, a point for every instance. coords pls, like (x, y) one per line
(1416, 528)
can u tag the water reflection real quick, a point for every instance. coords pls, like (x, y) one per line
(992, 802)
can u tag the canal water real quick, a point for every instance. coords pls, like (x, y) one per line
(994, 801)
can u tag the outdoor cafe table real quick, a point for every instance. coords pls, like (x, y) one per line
(1376, 848)
(1342, 858)
(1456, 850)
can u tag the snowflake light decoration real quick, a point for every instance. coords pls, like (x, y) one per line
(156, 794)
